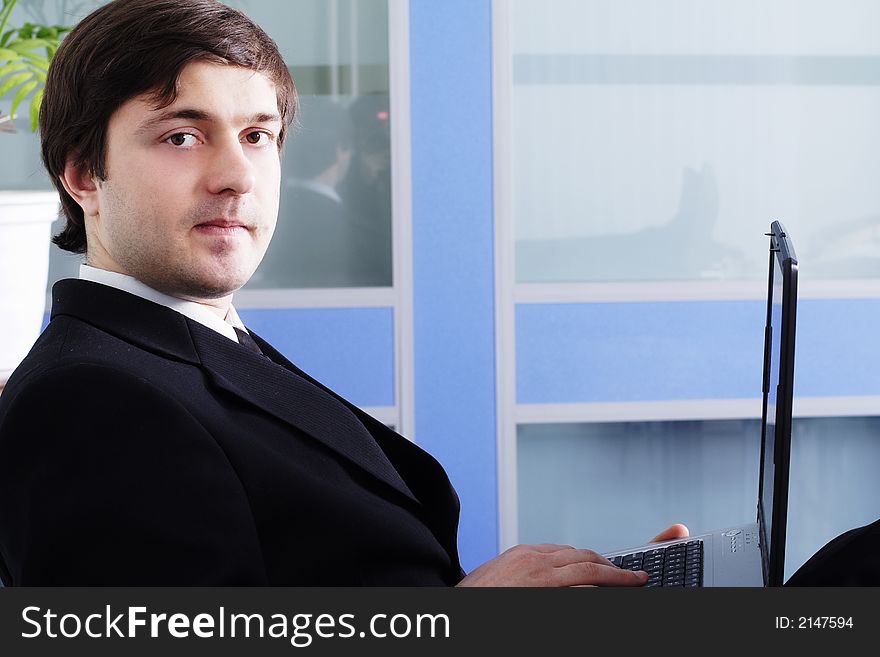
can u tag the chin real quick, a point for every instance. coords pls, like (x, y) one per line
(223, 281)
(213, 287)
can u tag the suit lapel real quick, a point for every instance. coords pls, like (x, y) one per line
(282, 392)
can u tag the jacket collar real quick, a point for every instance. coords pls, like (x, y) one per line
(144, 323)
(271, 383)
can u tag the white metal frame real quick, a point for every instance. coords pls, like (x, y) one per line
(401, 190)
(505, 339)
(689, 291)
(690, 409)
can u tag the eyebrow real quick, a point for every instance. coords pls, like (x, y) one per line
(201, 115)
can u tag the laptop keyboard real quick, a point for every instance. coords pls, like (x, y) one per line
(680, 564)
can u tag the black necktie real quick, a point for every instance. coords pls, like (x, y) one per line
(245, 339)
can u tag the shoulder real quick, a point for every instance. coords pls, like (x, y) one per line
(65, 342)
(121, 473)
(88, 417)
(89, 404)
(74, 355)
(67, 390)
(77, 379)
(74, 359)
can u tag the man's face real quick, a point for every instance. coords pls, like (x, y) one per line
(191, 196)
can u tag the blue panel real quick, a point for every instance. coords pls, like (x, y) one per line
(453, 276)
(608, 352)
(836, 351)
(638, 351)
(350, 350)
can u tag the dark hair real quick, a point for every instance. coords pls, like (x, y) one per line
(130, 47)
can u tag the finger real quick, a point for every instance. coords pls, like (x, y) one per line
(596, 574)
(675, 531)
(574, 555)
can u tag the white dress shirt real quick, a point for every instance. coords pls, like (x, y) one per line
(195, 311)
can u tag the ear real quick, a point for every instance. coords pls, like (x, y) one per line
(82, 187)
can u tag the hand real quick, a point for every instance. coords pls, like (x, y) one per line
(551, 565)
(671, 533)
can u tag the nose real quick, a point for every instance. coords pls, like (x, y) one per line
(230, 171)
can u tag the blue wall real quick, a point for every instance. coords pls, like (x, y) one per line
(620, 352)
(616, 352)
(453, 272)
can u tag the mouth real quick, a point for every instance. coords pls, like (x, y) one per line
(222, 227)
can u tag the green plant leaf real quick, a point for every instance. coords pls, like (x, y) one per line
(34, 112)
(4, 14)
(21, 94)
(13, 81)
(25, 55)
(27, 45)
(37, 60)
(12, 66)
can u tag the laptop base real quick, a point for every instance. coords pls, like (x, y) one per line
(731, 557)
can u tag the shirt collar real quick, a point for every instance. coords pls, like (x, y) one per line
(195, 311)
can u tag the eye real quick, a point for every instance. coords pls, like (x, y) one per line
(184, 139)
(258, 138)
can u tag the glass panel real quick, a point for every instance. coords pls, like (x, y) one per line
(608, 486)
(615, 485)
(334, 225)
(658, 142)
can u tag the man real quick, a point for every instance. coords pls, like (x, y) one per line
(149, 438)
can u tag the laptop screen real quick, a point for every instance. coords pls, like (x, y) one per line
(777, 394)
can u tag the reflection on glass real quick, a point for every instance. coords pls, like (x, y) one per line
(641, 137)
(681, 247)
(334, 221)
(334, 225)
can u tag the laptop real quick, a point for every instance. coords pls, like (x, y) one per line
(753, 554)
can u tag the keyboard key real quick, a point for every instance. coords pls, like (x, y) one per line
(679, 565)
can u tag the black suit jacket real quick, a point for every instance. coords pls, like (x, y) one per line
(139, 447)
(850, 559)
